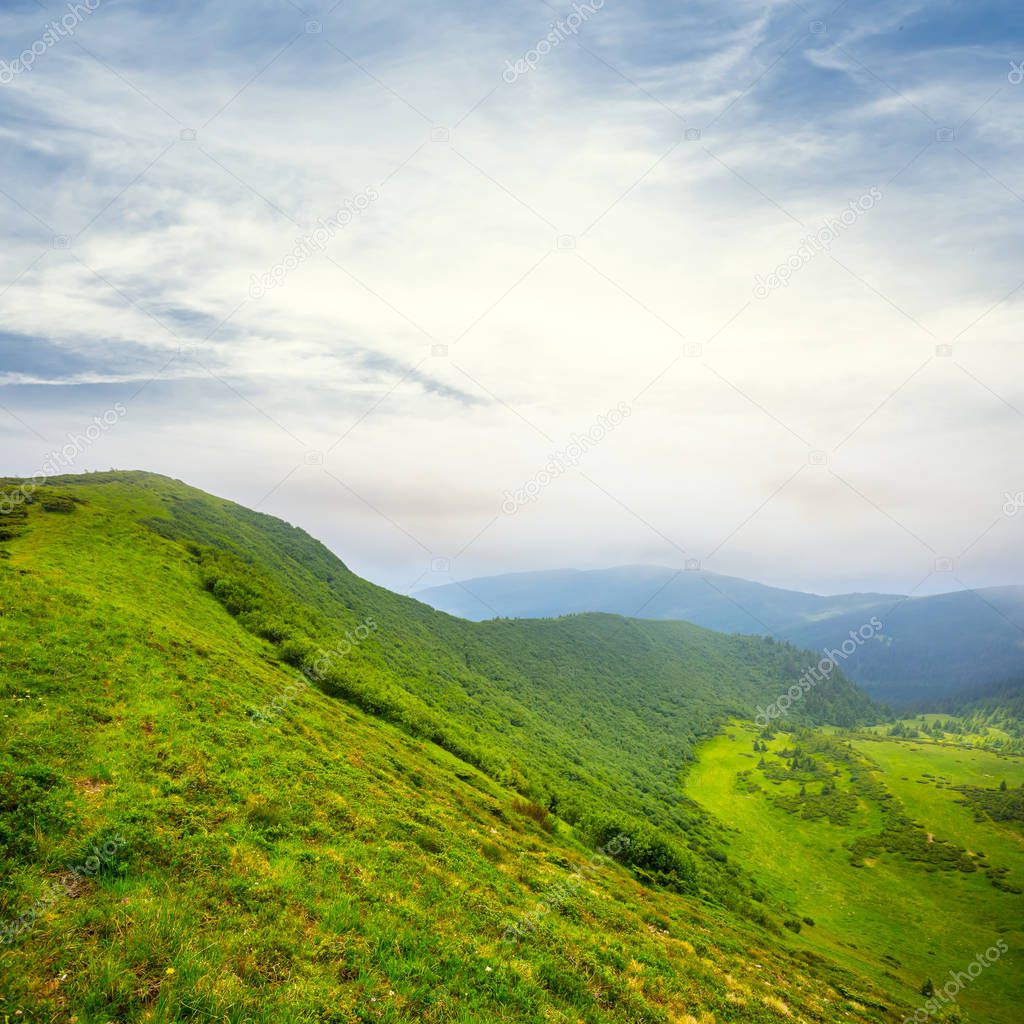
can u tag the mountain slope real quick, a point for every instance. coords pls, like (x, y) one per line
(318, 863)
(465, 686)
(934, 647)
(929, 647)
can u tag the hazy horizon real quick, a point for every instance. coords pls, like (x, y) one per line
(667, 568)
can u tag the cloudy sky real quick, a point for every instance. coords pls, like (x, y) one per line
(530, 226)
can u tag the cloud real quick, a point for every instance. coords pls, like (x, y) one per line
(538, 252)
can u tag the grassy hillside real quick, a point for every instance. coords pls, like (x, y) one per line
(898, 852)
(169, 855)
(569, 713)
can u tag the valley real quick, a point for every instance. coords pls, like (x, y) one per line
(890, 907)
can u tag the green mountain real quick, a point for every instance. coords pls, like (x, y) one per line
(928, 647)
(239, 783)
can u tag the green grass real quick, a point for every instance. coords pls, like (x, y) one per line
(966, 732)
(331, 865)
(897, 919)
(923, 776)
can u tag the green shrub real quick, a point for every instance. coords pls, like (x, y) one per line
(494, 853)
(428, 841)
(536, 811)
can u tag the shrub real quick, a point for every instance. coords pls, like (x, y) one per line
(269, 819)
(494, 853)
(654, 858)
(50, 502)
(428, 841)
(538, 812)
(297, 652)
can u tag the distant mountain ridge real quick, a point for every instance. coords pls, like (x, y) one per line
(726, 603)
(929, 647)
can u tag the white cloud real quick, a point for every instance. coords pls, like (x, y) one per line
(461, 250)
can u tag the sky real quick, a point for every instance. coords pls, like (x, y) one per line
(468, 288)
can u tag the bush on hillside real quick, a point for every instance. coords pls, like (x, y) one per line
(649, 853)
(538, 812)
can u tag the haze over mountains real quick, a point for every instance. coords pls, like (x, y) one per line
(928, 647)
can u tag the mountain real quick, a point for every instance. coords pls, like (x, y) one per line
(931, 648)
(240, 783)
(725, 603)
(927, 647)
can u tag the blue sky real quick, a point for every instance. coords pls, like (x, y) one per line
(534, 252)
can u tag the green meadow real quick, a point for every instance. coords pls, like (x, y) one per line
(895, 910)
(923, 777)
(932, 727)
